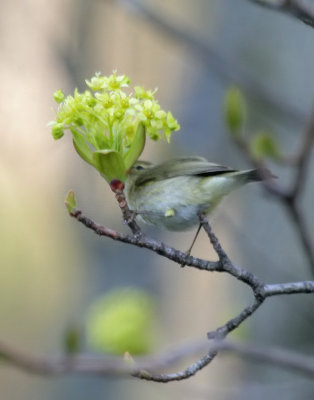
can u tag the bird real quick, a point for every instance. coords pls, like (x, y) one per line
(171, 195)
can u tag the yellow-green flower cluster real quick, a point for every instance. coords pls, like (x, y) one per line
(108, 120)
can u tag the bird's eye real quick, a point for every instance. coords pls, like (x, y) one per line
(139, 167)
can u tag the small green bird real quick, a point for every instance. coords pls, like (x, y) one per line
(172, 194)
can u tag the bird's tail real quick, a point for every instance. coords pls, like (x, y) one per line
(259, 174)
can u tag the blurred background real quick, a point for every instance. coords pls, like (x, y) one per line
(52, 268)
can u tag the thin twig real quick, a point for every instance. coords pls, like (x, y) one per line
(96, 364)
(303, 159)
(180, 375)
(225, 263)
(128, 216)
(147, 243)
(296, 8)
(300, 227)
(286, 359)
(289, 197)
(289, 288)
(180, 257)
(108, 365)
(232, 324)
(142, 369)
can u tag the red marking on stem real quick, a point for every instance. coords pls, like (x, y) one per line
(116, 185)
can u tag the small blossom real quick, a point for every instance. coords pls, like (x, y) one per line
(116, 82)
(141, 93)
(96, 83)
(57, 131)
(105, 99)
(58, 96)
(172, 123)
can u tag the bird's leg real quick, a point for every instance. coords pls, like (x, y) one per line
(133, 214)
(188, 252)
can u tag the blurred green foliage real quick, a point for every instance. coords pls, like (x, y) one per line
(264, 145)
(235, 110)
(122, 321)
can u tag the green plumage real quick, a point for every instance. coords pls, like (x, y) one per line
(170, 195)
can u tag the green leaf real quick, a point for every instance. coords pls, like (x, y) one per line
(110, 164)
(136, 147)
(82, 148)
(263, 145)
(70, 201)
(234, 110)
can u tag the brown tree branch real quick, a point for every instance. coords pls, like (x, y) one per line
(224, 264)
(235, 322)
(300, 227)
(303, 158)
(288, 288)
(141, 369)
(260, 290)
(275, 356)
(147, 243)
(289, 197)
(107, 365)
(128, 216)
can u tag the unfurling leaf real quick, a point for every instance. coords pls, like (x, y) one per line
(264, 145)
(110, 165)
(70, 201)
(136, 147)
(234, 110)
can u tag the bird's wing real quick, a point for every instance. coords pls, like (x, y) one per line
(184, 166)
